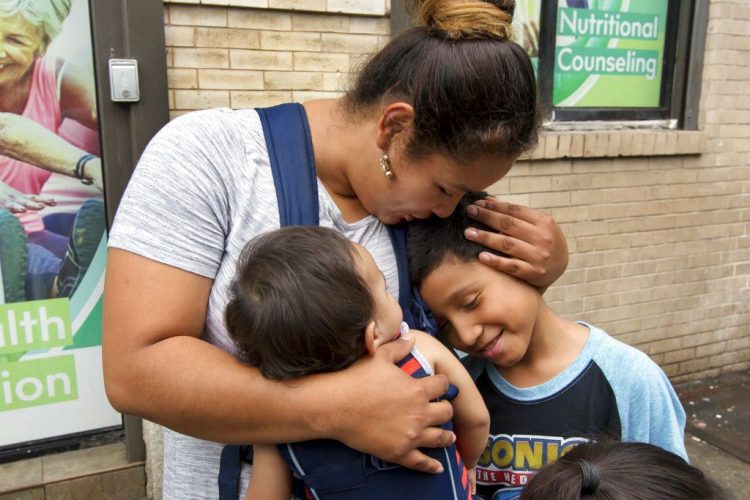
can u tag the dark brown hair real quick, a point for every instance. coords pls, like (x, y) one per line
(473, 89)
(621, 471)
(432, 241)
(297, 303)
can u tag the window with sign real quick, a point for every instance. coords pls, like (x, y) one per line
(609, 59)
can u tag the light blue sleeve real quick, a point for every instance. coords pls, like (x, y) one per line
(650, 411)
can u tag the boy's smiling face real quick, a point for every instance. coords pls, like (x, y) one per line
(481, 311)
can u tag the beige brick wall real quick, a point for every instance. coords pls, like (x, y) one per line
(248, 57)
(660, 245)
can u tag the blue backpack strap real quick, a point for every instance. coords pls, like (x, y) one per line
(232, 456)
(416, 313)
(292, 159)
(290, 153)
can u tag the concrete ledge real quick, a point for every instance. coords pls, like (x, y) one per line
(618, 143)
(96, 470)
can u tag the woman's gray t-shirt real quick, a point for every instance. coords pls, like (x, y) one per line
(202, 189)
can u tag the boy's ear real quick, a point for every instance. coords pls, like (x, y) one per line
(372, 340)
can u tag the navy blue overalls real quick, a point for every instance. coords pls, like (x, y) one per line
(331, 470)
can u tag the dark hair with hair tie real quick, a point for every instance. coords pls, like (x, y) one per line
(589, 477)
(472, 88)
(612, 470)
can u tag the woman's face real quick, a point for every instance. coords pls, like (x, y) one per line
(20, 44)
(418, 189)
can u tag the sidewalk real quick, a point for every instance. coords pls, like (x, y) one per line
(718, 429)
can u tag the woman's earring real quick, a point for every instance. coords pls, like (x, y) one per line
(385, 165)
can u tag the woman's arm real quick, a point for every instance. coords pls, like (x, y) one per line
(538, 252)
(28, 141)
(471, 420)
(78, 97)
(271, 479)
(157, 366)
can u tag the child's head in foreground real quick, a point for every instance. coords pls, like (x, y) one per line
(479, 310)
(621, 471)
(307, 300)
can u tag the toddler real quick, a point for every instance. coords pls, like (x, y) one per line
(306, 300)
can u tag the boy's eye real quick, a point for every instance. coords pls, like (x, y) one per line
(444, 191)
(472, 303)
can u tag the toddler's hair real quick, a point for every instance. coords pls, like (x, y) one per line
(621, 471)
(297, 303)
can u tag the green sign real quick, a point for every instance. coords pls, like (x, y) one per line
(51, 381)
(39, 324)
(609, 53)
(526, 28)
(37, 382)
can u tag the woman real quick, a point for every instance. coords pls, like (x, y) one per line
(36, 94)
(444, 108)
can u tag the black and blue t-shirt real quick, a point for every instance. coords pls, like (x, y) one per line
(610, 391)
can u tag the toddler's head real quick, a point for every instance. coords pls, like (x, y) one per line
(621, 471)
(306, 300)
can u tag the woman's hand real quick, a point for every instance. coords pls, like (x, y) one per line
(17, 202)
(376, 408)
(535, 244)
(93, 172)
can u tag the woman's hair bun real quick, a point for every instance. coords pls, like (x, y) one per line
(467, 19)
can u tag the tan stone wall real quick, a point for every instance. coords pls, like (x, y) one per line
(660, 245)
(244, 58)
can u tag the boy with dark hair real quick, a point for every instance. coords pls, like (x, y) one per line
(306, 300)
(548, 383)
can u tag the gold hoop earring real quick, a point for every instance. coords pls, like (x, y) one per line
(385, 165)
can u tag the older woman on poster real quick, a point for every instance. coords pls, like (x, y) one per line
(37, 93)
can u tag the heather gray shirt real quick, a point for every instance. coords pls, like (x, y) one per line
(202, 189)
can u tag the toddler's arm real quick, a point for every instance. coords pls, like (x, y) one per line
(271, 479)
(471, 420)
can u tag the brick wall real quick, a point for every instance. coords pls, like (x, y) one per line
(243, 58)
(660, 245)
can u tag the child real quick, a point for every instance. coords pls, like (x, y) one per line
(621, 471)
(306, 300)
(548, 383)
